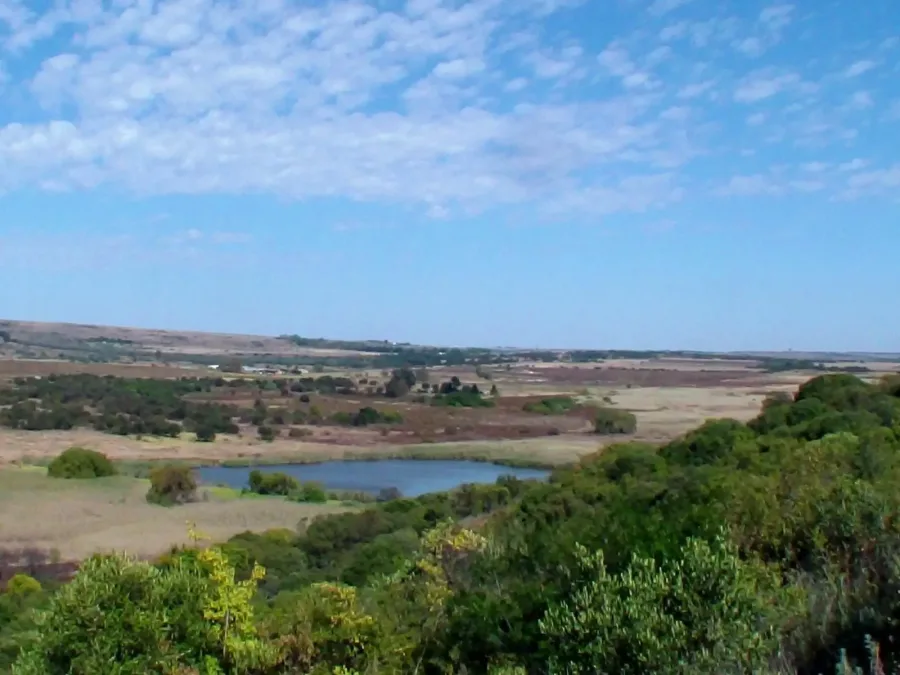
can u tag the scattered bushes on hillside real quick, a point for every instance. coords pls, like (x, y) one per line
(611, 421)
(81, 463)
(172, 484)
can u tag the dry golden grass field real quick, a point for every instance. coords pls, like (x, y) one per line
(79, 517)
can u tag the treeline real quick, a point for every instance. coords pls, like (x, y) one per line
(767, 547)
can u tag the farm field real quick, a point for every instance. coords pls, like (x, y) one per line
(75, 518)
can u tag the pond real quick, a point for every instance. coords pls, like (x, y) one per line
(411, 476)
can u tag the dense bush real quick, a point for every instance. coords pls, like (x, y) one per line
(366, 416)
(80, 463)
(556, 405)
(275, 483)
(205, 434)
(611, 421)
(462, 399)
(311, 492)
(172, 484)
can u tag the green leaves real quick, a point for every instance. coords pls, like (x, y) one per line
(703, 610)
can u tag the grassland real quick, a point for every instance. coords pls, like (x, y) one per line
(76, 518)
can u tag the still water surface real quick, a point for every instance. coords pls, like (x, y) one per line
(412, 477)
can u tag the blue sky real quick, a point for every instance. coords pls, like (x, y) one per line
(597, 173)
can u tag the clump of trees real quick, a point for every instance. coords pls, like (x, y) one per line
(612, 421)
(172, 484)
(453, 393)
(366, 416)
(80, 463)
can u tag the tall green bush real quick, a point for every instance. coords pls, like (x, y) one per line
(81, 463)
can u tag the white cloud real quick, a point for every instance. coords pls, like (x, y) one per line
(894, 110)
(756, 119)
(761, 85)
(696, 89)
(458, 68)
(750, 185)
(859, 67)
(860, 100)
(616, 61)
(875, 182)
(776, 17)
(853, 165)
(661, 7)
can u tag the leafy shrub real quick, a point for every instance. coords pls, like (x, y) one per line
(556, 405)
(609, 421)
(311, 492)
(275, 483)
(205, 434)
(81, 463)
(462, 399)
(299, 433)
(699, 613)
(366, 416)
(172, 484)
(267, 433)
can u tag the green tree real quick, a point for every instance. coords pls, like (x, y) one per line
(172, 484)
(205, 434)
(701, 612)
(123, 617)
(81, 463)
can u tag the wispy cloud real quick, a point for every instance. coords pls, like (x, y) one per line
(761, 85)
(859, 67)
(661, 7)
